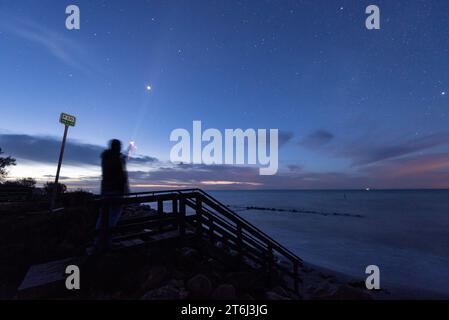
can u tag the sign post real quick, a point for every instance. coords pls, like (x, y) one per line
(68, 121)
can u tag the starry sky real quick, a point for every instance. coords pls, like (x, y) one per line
(355, 108)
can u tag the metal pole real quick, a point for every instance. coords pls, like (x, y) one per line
(61, 155)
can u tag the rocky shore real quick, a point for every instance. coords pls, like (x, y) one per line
(196, 270)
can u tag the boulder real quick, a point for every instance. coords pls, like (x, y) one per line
(280, 291)
(323, 289)
(271, 295)
(216, 265)
(247, 297)
(245, 280)
(224, 292)
(178, 274)
(188, 258)
(199, 286)
(155, 276)
(176, 283)
(345, 292)
(167, 292)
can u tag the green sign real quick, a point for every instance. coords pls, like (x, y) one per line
(67, 119)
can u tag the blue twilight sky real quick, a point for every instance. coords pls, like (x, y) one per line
(356, 108)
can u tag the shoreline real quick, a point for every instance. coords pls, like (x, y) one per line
(318, 282)
(387, 293)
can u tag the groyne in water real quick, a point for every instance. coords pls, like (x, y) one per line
(248, 208)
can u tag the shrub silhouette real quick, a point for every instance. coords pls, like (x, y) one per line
(5, 162)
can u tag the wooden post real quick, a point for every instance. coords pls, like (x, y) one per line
(199, 216)
(270, 263)
(160, 207)
(175, 206)
(295, 273)
(61, 155)
(211, 228)
(104, 229)
(182, 217)
(240, 243)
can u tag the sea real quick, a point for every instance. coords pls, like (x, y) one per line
(404, 233)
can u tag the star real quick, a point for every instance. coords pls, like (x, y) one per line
(148, 88)
(443, 93)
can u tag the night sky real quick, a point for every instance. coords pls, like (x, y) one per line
(356, 108)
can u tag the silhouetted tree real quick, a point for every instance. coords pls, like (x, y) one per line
(61, 188)
(4, 164)
(24, 182)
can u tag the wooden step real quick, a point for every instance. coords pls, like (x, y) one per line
(47, 279)
(153, 223)
(150, 216)
(153, 240)
(145, 233)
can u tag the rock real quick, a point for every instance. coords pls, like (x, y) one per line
(155, 277)
(187, 252)
(323, 289)
(168, 292)
(176, 283)
(188, 258)
(247, 297)
(219, 244)
(345, 292)
(216, 265)
(178, 274)
(326, 276)
(244, 281)
(101, 295)
(250, 263)
(199, 286)
(357, 284)
(224, 292)
(270, 295)
(306, 269)
(281, 291)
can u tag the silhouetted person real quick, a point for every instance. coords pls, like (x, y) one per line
(113, 166)
(114, 183)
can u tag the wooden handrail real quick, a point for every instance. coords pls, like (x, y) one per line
(248, 238)
(249, 227)
(212, 216)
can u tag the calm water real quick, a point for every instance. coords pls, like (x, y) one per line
(405, 233)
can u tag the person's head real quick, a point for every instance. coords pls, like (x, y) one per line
(115, 146)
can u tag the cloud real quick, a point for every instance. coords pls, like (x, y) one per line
(65, 49)
(46, 150)
(284, 137)
(198, 175)
(410, 170)
(237, 177)
(198, 172)
(50, 176)
(294, 167)
(411, 166)
(317, 139)
(426, 171)
(422, 172)
(140, 159)
(364, 153)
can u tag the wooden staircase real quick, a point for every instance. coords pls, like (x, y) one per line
(187, 213)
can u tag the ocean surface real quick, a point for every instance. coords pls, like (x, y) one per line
(405, 233)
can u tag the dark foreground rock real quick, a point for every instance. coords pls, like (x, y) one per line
(176, 270)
